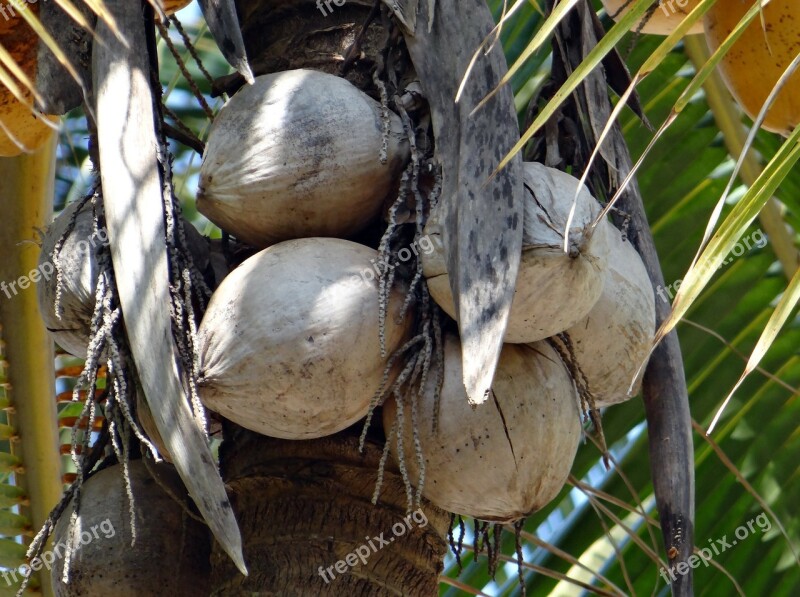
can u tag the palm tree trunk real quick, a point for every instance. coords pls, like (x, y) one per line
(309, 527)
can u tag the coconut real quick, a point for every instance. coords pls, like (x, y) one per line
(663, 20)
(173, 6)
(289, 344)
(615, 338)
(753, 65)
(506, 458)
(298, 154)
(171, 552)
(77, 263)
(21, 130)
(554, 289)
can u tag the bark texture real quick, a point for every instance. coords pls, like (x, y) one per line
(303, 506)
(286, 34)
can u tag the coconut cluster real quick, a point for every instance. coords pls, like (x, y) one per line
(289, 344)
(303, 340)
(588, 282)
(581, 323)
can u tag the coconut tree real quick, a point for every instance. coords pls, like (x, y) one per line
(304, 505)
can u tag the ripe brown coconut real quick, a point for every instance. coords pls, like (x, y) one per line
(20, 129)
(289, 345)
(298, 154)
(662, 19)
(753, 65)
(612, 342)
(169, 557)
(554, 289)
(505, 458)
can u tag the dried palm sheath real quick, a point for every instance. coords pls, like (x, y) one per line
(136, 230)
(481, 215)
(220, 15)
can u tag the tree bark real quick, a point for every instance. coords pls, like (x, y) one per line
(303, 506)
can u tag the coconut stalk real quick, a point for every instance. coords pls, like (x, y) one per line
(666, 398)
(134, 216)
(26, 198)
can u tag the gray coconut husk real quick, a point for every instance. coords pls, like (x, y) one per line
(68, 273)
